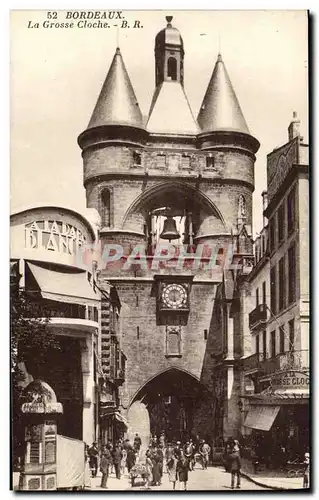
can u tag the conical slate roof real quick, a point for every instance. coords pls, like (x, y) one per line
(220, 109)
(117, 103)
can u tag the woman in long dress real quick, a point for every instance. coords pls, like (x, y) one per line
(156, 460)
(149, 468)
(171, 469)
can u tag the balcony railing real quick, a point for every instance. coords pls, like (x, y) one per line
(258, 316)
(291, 360)
(253, 362)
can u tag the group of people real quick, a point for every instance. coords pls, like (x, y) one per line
(118, 458)
(179, 459)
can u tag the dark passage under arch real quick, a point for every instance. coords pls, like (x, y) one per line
(171, 399)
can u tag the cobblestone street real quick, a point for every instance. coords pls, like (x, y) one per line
(214, 478)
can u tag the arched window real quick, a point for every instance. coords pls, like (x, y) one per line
(172, 68)
(106, 208)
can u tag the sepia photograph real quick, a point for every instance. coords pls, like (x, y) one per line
(159, 250)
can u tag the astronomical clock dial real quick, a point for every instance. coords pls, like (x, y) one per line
(174, 296)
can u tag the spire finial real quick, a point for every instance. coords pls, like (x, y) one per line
(169, 19)
(117, 38)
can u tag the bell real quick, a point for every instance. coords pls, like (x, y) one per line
(169, 230)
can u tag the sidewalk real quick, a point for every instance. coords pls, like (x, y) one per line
(270, 479)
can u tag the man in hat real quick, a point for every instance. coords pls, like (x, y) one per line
(93, 453)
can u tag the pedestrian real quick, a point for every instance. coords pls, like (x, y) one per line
(182, 467)
(161, 462)
(130, 458)
(126, 444)
(137, 444)
(204, 452)
(234, 465)
(169, 453)
(189, 454)
(171, 469)
(306, 475)
(178, 449)
(104, 466)
(117, 458)
(123, 461)
(93, 453)
(87, 472)
(162, 440)
(156, 470)
(149, 470)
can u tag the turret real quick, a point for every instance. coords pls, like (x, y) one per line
(220, 118)
(116, 116)
(170, 112)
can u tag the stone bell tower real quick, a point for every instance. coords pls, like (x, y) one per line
(175, 181)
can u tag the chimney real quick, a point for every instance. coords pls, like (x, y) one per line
(293, 129)
(264, 196)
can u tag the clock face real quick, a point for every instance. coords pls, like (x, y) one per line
(174, 296)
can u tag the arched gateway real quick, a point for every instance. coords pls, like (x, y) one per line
(168, 401)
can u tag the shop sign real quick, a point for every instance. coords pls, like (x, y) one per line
(38, 407)
(290, 380)
(54, 236)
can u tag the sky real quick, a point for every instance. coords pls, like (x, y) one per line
(57, 74)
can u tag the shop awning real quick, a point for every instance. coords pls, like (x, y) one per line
(64, 287)
(121, 419)
(261, 417)
(110, 412)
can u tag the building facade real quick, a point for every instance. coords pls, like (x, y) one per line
(279, 323)
(171, 188)
(46, 243)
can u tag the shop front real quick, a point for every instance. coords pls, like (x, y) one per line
(113, 425)
(278, 419)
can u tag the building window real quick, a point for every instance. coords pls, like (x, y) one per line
(161, 161)
(281, 223)
(281, 340)
(292, 274)
(272, 234)
(264, 293)
(257, 297)
(291, 209)
(137, 158)
(186, 161)
(264, 344)
(291, 325)
(282, 283)
(172, 68)
(273, 290)
(210, 162)
(173, 342)
(273, 344)
(106, 208)
(257, 344)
